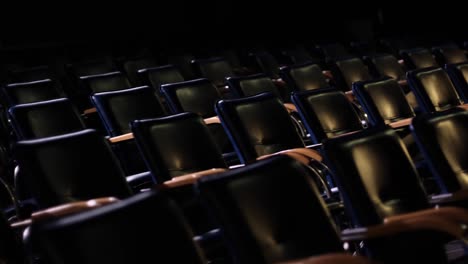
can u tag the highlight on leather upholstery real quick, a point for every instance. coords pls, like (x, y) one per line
(44, 119)
(158, 76)
(442, 138)
(176, 145)
(383, 100)
(348, 70)
(70, 167)
(375, 175)
(105, 82)
(258, 125)
(418, 58)
(30, 74)
(30, 92)
(386, 65)
(306, 76)
(326, 113)
(118, 108)
(449, 55)
(433, 89)
(261, 209)
(459, 75)
(214, 69)
(245, 86)
(146, 228)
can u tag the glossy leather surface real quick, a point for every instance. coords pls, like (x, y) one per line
(375, 175)
(326, 113)
(133, 66)
(442, 136)
(30, 92)
(433, 89)
(177, 145)
(252, 85)
(459, 75)
(258, 125)
(44, 119)
(270, 211)
(383, 100)
(387, 65)
(118, 108)
(106, 82)
(158, 76)
(303, 77)
(350, 70)
(113, 234)
(215, 69)
(70, 167)
(418, 58)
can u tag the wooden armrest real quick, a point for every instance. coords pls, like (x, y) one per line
(453, 214)
(461, 195)
(403, 82)
(65, 209)
(309, 153)
(290, 107)
(189, 178)
(89, 111)
(332, 258)
(350, 95)
(328, 74)
(463, 106)
(212, 120)
(397, 227)
(401, 123)
(301, 158)
(121, 138)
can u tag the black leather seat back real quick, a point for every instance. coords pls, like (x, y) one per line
(383, 100)
(433, 89)
(258, 125)
(387, 65)
(252, 85)
(45, 119)
(132, 67)
(177, 145)
(346, 71)
(158, 76)
(303, 77)
(442, 138)
(105, 82)
(459, 75)
(270, 211)
(214, 69)
(326, 113)
(70, 167)
(197, 96)
(375, 175)
(30, 92)
(145, 228)
(118, 108)
(449, 55)
(418, 58)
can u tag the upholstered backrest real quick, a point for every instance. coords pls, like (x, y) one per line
(258, 125)
(442, 137)
(383, 100)
(177, 145)
(270, 211)
(214, 69)
(105, 82)
(44, 119)
(418, 58)
(118, 108)
(375, 175)
(303, 77)
(252, 85)
(30, 92)
(346, 71)
(387, 65)
(326, 113)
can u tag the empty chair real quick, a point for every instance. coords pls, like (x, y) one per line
(386, 65)
(333, 50)
(267, 64)
(418, 58)
(442, 137)
(258, 125)
(307, 76)
(45, 119)
(118, 108)
(197, 96)
(30, 92)
(299, 55)
(383, 100)
(433, 89)
(183, 63)
(70, 167)
(146, 228)
(261, 210)
(105, 82)
(158, 76)
(176, 145)
(245, 86)
(348, 70)
(378, 182)
(459, 75)
(326, 113)
(90, 67)
(449, 55)
(214, 69)
(30, 74)
(132, 67)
